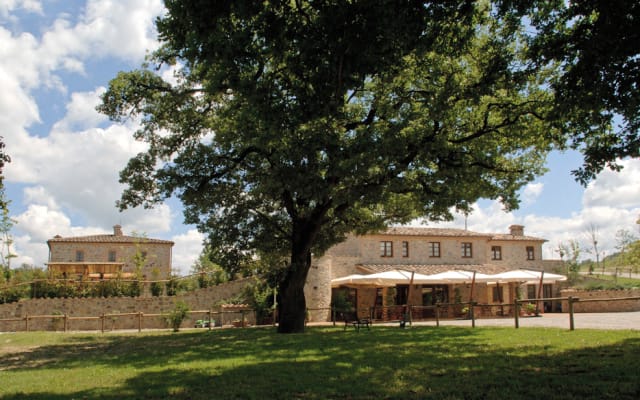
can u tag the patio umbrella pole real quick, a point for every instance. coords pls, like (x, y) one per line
(407, 315)
(539, 293)
(473, 284)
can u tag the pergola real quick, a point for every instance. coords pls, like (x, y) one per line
(92, 270)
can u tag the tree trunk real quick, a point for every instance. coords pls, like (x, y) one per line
(292, 305)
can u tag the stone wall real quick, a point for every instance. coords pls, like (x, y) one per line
(203, 299)
(601, 306)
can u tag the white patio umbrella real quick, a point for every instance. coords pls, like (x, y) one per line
(460, 276)
(355, 280)
(400, 277)
(384, 279)
(526, 276)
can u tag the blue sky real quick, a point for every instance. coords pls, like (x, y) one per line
(56, 58)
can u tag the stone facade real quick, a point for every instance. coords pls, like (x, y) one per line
(100, 254)
(424, 250)
(586, 306)
(199, 300)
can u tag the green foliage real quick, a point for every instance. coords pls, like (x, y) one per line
(18, 285)
(259, 295)
(606, 282)
(594, 45)
(4, 158)
(156, 288)
(340, 302)
(208, 272)
(56, 288)
(177, 315)
(633, 256)
(6, 240)
(280, 138)
(171, 286)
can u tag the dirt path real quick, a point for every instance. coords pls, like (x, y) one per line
(622, 320)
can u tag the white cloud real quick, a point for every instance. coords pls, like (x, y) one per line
(187, 249)
(619, 189)
(121, 29)
(39, 195)
(7, 6)
(72, 172)
(81, 111)
(531, 192)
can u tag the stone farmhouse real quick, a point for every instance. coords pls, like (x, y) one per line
(109, 256)
(427, 251)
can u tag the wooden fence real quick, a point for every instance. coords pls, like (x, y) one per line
(64, 322)
(407, 314)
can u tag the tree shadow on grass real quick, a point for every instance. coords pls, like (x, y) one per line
(451, 363)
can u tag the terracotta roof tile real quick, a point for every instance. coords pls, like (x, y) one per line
(419, 231)
(507, 236)
(107, 239)
(430, 269)
(452, 232)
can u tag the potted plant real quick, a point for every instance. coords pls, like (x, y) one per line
(530, 308)
(239, 323)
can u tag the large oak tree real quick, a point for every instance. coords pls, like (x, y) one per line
(594, 45)
(288, 124)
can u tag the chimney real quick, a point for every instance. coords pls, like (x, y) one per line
(117, 230)
(516, 230)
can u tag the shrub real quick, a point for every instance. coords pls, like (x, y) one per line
(156, 288)
(177, 315)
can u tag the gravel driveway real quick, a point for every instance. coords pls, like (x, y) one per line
(621, 320)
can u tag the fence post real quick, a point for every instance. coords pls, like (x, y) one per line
(242, 319)
(210, 318)
(102, 323)
(66, 321)
(516, 313)
(572, 325)
(139, 321)
(472, 306)
(26, 322)
(437, 314)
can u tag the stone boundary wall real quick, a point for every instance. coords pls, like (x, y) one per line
(601, 306)
(202, 299)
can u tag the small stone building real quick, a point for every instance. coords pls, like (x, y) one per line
(426, 251)
(109, 256)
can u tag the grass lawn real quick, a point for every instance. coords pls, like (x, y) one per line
(324, 363)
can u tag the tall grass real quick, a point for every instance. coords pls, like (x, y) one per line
(324, 363)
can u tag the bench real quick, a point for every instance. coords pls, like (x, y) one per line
(358, 323)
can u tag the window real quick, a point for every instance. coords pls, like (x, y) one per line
(547, 290)
(405, 249)
(497, 294)
(79, 255)
(531, 291)
(402, 294)
(386, 249)
(466, 250)
(496, 253)
(433, 294)
(112, 256)
(434, 249)
(530, 253)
